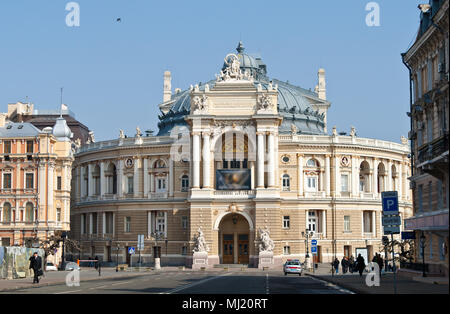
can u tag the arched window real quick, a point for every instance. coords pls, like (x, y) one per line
(286, 182)
(312, 163)
(29, 212)
(7, 212)
(184, 183)
(160, 164)
(364, 172)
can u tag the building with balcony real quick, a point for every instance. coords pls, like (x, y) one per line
(428, 62)
(35, 170)
(237, 155)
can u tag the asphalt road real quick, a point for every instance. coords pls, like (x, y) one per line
(188, 282)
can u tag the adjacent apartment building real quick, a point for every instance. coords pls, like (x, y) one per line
(35, 176)
(428, 62)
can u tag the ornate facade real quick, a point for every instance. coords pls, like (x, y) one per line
(248, 161)
(428, 62)
(35, 174)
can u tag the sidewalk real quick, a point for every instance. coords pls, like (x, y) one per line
(405, 285)
(59, 277)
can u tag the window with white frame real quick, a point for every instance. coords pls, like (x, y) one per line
(312, 221)
(286, 182)
(184, 183)
(127, 224)
(160, 184)
(311, 163)
(311, 183)
(367, 222)
(160, 222)
(442, 248)
(347, 224)
(286, 222)
(130, 185)
(58, 215)
(287, 250)
(344, 182)
(29, 212)
(7, 213)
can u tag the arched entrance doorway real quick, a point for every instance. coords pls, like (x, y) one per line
(234, 239)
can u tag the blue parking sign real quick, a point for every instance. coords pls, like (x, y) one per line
(314, 249)
(390, 202)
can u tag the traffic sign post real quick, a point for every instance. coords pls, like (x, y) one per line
(140, 246)
(391, 222)
(314, 253)
(131, 251)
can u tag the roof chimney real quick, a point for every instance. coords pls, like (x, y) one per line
(322, 87)
(167, 86)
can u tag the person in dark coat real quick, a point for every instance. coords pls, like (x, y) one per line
(336, 265)
(360, 264)
(344, 265)
(380, 262)
(351, 264)
(36, 265)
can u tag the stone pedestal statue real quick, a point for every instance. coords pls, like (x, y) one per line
(266, 258)
(201, 249)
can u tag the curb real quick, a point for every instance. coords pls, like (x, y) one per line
(58, 283)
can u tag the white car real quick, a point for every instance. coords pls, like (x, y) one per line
(71, 266)
(50, 267)
(293, 267)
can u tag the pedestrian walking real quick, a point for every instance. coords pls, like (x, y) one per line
(360, 264)
(344, 265)
(351, 264)
(380, 262)
(336, 265)
(96, 262)
(36, 266)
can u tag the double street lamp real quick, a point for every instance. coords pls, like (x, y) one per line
(307, 234)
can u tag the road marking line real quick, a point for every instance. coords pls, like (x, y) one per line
(332, 285)
(68, 291)
(120, 283)
(193, 284)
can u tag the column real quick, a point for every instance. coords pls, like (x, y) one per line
(120, 178)
(91, 223)
(152, 183)
(145, 177)
(90, 181)
(149, 224)
(114, 224)
(271, 161)
(374, 225)
(355, 176)
(252, 172)
(82, 183)
(102, 179)
(389, 179)
(300, 174)
(375, 177)
(400, 180)
(260, 160)
(136, 177)
(321, 183)
(206, 161)
(18, 176)
(324, 223)
(196, 160)
(50, 211)
(171, 176)
(337, 177)
(327, 175)
(103, 223)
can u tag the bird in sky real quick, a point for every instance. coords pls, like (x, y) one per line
(118, 20)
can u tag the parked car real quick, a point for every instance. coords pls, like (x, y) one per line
(293, 267)
(71, 266)
(50, 267)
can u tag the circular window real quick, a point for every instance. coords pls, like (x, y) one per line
(285, 159)
(129, 163)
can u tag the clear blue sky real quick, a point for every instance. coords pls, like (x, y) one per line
(112, 73)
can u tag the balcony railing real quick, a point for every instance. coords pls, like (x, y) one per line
(244, 193)
(433, 149)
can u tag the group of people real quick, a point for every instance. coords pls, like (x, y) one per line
(350, 264)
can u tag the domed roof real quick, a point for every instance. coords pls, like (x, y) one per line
(293, 104)
(61, 131)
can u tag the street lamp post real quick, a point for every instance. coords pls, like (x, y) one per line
(422, 246)
(117, 257)
(307, 234)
